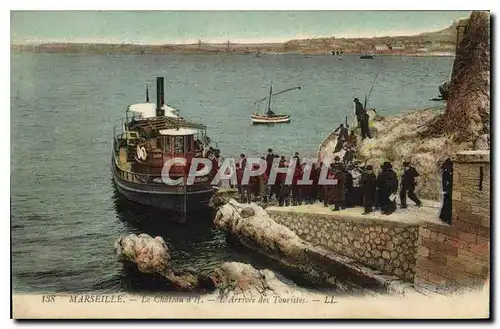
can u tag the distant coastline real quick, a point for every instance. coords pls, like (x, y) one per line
(439, 43)
(211, 49)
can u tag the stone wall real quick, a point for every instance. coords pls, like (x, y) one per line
(450, 257)
(385, 245)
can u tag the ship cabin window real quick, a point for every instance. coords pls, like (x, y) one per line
(189, 143)
(166, 143)
(178, 141)
(178, 144)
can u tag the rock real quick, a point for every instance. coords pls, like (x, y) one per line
(376, 253)
(262, 234)
(482, 142)
(386, 255)
(398, 272)
(468, 105)
(151, 256)
(247, 212)
(444, 90)
(239, 278)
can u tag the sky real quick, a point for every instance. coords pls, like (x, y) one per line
(162, 27)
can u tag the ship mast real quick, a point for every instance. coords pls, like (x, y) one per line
(270, 96)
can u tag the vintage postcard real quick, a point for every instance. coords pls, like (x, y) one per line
(250, 164)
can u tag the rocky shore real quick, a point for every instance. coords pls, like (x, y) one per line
(252, 227)
(150, 257)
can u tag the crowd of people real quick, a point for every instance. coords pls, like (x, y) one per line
(354, 184)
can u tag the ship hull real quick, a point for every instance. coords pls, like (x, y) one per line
(163, 196)
(261, 119)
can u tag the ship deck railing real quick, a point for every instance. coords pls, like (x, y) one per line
(160, 123)
(147, 179)
(156, 124)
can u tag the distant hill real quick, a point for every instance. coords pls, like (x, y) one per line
(431, 42)
(442, 40)
(447, 34)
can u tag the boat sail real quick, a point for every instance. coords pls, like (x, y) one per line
(149, 136)
(269, 117)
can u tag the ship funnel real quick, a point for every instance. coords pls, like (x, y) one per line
(160, 97)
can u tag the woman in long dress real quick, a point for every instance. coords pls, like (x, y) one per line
(447, 185)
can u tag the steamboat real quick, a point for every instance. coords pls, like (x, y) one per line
(147, 137)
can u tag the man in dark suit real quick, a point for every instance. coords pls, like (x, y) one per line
(368, 188)
(387, 184)
(359, 110)
(408, 185)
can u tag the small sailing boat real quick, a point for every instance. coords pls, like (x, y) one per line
(270, 117)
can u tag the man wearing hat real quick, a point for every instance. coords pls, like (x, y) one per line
(387, 184)
(368, 187)
(365, 126)
(359, 110)
(408, 185)
(269, 160)
(336, 162)
(337, 190)
(342, 137)
(348, 155)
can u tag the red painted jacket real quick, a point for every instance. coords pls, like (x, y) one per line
(239, 175)
(297, 174)
(281, 177)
